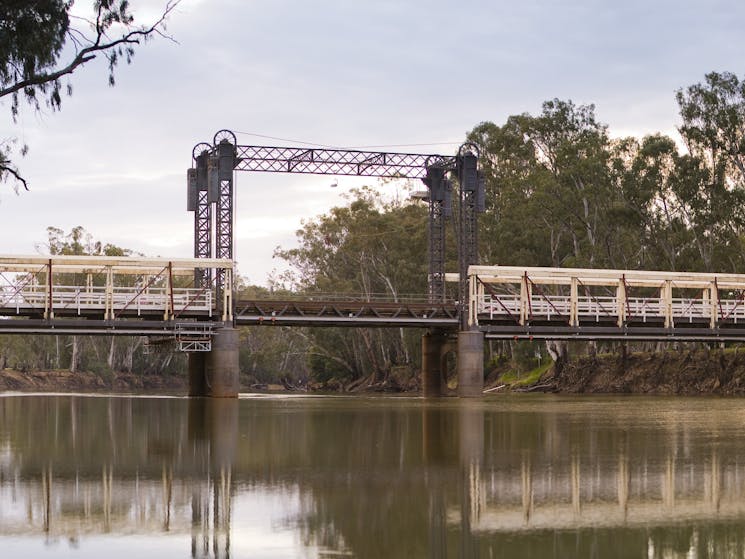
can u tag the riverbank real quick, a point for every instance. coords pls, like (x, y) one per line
(686, 372)
(65, 381)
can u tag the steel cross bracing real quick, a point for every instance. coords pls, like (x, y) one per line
(338, 162)
(572, 303)
(338, 312)
(224, 221)
(224, 156)
(200, 203)
(471, 204)
(439, 210)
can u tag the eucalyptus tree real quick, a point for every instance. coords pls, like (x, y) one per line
(371, 247)
(551, 196)
(713, 129)
(42, 43)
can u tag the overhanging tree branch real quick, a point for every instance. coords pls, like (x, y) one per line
(34, 37)
(89, 53)
(5, 169)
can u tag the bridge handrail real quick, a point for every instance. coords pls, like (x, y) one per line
(508, 306)
(71, 297)
(342, 298)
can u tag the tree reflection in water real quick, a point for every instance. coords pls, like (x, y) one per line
(377, 477)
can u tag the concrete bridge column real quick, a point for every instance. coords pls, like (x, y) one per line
(215, 373)
(196, 374)
(470, 363)
(433, 344)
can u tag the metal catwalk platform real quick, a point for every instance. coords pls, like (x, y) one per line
(336, 310)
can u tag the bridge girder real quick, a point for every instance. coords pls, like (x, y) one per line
(227, 156)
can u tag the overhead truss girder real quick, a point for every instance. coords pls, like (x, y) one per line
(273, 159)
(430, 168)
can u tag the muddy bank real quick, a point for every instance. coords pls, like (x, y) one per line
(65, 381)
(672, 372)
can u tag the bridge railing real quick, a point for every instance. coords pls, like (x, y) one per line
(342, 297)
(583, 296)
(80, 300)
(37, 285)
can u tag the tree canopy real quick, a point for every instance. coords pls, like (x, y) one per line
(560, 192)
(42, 43)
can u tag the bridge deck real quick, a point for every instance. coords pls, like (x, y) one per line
(94, 301)
(337, 312)
(584, 303)
(110, 295)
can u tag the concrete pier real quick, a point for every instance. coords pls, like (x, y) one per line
(470, 363)
(215, 373)
(433, 344)
(196, 374)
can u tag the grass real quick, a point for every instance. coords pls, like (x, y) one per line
(515, 379)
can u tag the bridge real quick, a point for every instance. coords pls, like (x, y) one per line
(191, 301)
(573, 303)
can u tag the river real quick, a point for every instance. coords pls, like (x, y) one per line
(371, 477)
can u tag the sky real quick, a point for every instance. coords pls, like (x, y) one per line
(336, 72)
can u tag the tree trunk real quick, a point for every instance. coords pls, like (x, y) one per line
(129, 354)
(110, 358)
(559, 352)
(75, 357)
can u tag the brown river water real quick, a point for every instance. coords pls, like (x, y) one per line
(372, 477)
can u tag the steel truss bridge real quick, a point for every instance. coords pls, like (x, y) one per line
(211, 192)
(185, 299)
(113, 296)
(157, 297)
(571, 303)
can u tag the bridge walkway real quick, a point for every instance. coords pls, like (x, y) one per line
(96, 295)
(585, 303)
(323, 309)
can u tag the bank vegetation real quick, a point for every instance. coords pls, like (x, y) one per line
(561, 190)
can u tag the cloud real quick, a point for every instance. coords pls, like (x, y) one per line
(340, 73)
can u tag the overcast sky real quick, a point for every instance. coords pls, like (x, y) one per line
(344, 73)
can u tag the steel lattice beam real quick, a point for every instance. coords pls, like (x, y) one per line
(225, 156)
(337, 162)
(470, 192)
(200, 203)
(203, 237)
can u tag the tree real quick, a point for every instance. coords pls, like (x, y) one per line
(371, 247)
(713, 126)
(103, 355)
(713, 129)
(550, 190)
(42, 43)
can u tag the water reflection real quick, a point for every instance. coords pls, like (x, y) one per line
(368, 478)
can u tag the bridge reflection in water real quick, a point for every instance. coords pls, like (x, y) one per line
(528, 477)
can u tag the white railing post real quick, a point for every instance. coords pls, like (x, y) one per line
(621, 302)
(473, 300)
(667, 291)
(109, 294)
(168, 296)
(574, 303)
(49, 310)
(714, 304)
(227, 294)
(525, 294)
